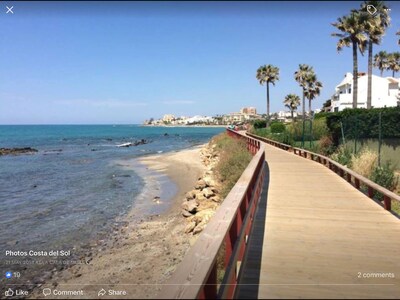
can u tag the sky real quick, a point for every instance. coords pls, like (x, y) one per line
(123, 62)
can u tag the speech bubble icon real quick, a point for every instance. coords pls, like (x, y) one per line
(46, 292)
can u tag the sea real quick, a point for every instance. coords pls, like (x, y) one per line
(75, 186)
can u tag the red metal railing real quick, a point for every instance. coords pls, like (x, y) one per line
(196, 276)
(253, 145)
(352, 177)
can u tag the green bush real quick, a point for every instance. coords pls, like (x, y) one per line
(260, 124)
(384, 176)
(264, 132)
(295, 130)
(319, 128)
(277, 127)
(234, 158)
(364, 123)
(343, 156)
(326, 146)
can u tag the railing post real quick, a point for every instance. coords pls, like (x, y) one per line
(357, 183)
(370, 192)
(387, 203)
(348, 177)
(228, 248)
(209, 290)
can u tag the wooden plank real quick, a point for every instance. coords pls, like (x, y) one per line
(342, 169)
(319, 234)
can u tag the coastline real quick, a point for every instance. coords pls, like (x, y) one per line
(143, 251)
(188, 126)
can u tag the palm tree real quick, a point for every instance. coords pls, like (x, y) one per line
(267, 74)
(312, 90)
(292, 101)
(301, 76)
(398, 33)
(381, 61)
(352, 28)
(375, 27)
(393, 62)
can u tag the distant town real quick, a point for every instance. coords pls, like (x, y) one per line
(245, 115)
(385, 94)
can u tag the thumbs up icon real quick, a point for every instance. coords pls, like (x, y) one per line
(9, 293)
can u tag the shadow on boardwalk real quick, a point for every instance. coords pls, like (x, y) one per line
(250, 275)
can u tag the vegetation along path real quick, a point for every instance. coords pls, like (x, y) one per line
(318, 237)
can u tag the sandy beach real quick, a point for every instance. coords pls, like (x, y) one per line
(142, 253)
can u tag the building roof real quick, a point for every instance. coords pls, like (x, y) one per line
(392, 80)
(348, 78)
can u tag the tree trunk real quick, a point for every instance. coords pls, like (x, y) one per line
(303, 107)
(268, 99)
(267, 103)
(355, 75)
(309, 107)
(393, 73)
(369, 91)
(304, 118)
(291, 112)
(381, 72)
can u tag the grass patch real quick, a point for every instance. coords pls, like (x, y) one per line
(364, 162)
(233, 160)
(390, 151)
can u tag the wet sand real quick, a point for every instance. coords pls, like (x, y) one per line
(143, 252)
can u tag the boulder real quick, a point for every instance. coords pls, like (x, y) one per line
(200, 197)
(189, 227)
(199, 228)
(16, 151)
(208, 193)
(203, 216)
(190, 206)
(200, 184)
(186, 214)
(216, 198)
(209, 181)
(215, 190)
(207, 205)
(191, 195)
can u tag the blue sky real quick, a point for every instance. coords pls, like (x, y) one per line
(124, 62)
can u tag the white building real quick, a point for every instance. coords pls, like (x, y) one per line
(239, 117)
(168, 118)
(248, 111)
(384, 92)
(286, 116)
(199, 119)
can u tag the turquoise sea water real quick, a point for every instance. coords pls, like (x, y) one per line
(75, 186)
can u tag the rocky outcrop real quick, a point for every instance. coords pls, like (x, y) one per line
(135, 143)
(201, 203)
(17, 151)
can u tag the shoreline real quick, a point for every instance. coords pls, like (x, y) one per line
(186, 126)
(149, 244)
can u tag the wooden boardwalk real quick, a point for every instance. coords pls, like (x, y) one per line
(316, 236)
